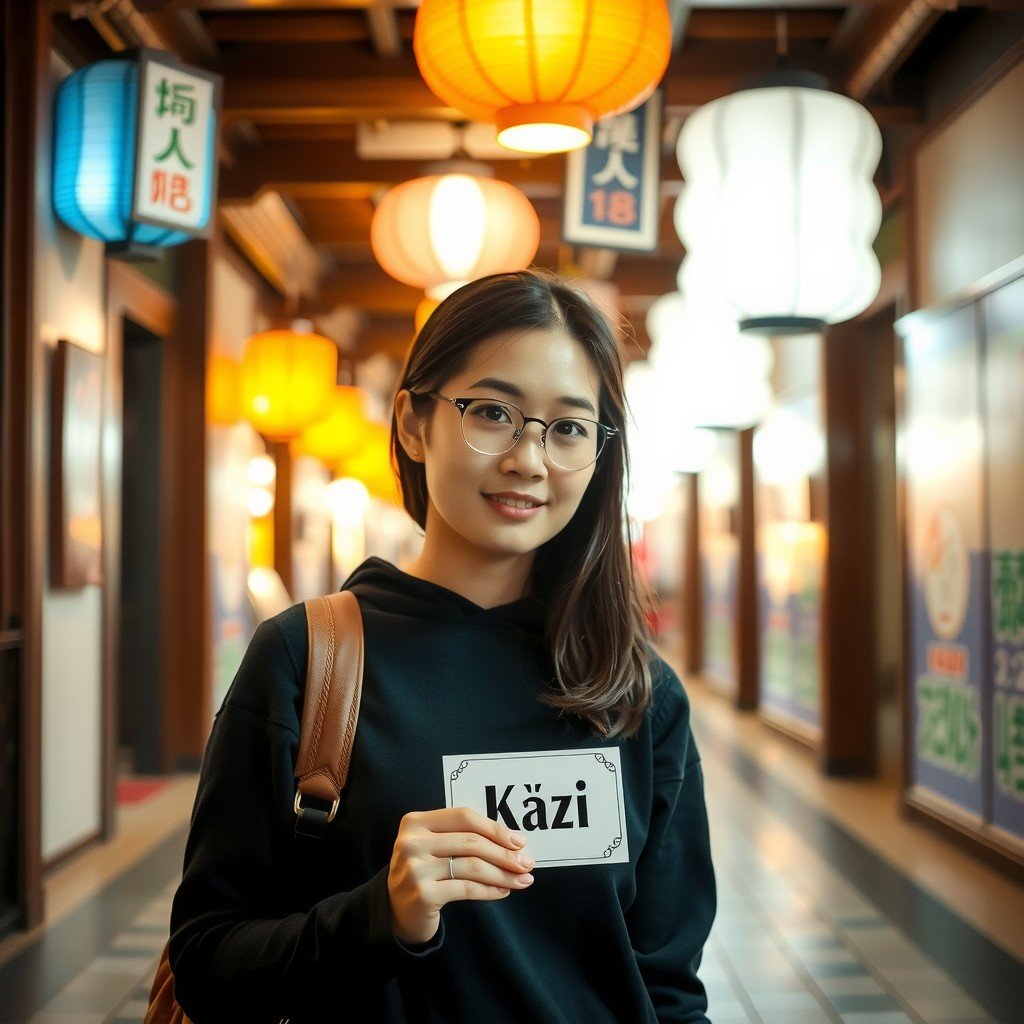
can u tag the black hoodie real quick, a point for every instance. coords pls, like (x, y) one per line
(267, 925)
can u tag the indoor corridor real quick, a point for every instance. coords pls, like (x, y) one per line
(831, 907)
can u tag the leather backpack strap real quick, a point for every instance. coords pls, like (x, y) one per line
(330, 710)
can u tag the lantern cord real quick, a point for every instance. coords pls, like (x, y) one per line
(459, 152)
(292, 288)
(91, 8)
(781, 38)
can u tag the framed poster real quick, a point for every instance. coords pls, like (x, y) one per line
(943, 444)
(1003, 312)
(76, 531)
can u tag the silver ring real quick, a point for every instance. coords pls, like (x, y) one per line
(451, 867)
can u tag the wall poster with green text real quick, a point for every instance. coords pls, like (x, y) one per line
(1003, 313)
(943, 447)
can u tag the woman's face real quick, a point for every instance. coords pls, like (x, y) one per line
(536, 371)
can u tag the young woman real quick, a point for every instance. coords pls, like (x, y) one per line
(519, 629)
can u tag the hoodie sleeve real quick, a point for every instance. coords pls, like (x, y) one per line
(238, 949)
(675, 904)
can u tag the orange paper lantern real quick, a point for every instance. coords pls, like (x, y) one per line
(287, 380)
(441, 231)
(543, 72)
(423, 310)
(223, 398)
(339, 434)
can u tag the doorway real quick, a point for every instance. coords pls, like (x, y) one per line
(139, 710)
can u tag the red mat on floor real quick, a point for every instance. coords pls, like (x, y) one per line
(133, 791)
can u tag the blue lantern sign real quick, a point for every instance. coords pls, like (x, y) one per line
(135, 151)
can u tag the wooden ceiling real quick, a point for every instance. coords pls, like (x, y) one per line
(300, 76)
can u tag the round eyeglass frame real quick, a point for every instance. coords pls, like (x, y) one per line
(462, 404)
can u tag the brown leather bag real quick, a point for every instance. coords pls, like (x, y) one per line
(330, 712)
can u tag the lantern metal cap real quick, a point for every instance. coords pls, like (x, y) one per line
(770, 326)
(788, 77)
(472, 168)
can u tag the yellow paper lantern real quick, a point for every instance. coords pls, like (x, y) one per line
(261, 541)
(423, 310)
(287, 380)
(339, 434)
(441, 231)
(543, 72)
(372, 464)
(223, 398)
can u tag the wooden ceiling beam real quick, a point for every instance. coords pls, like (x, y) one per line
(884, 42)
(752, 24)
(262, 6)
(186, 34)
(384, 334)
(332, 83)
(367, 288)
(339, 27)
(326, 170)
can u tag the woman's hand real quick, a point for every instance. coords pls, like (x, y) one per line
(487, 867)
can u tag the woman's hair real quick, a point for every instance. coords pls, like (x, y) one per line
(596, 629)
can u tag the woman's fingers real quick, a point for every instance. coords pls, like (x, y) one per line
(471, 846)
(465, 819)
(484, 855)
(476, 870)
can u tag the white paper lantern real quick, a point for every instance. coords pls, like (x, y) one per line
(787, 448)
(716, 376)
(657, 431)
(778, 209)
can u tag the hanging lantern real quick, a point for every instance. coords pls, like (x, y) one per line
(372, 464)
(103, 142)
(423, 310)
(287, 380)
(542, 73)
(716, 376)
(341, 432)
(660, 443)
(444, 230)
(788, 447)
(778, 211)
(223, 401)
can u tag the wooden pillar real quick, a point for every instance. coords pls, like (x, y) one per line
(693, 619)
(854, 359)
(747, 636)
(282, 456)
(187, 641)
(131, 296)
(27, 127)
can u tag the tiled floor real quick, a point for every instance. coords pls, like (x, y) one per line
(821, 918)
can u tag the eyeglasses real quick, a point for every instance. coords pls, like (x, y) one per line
(491, 427)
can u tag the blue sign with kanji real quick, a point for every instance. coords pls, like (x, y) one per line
(612, 186)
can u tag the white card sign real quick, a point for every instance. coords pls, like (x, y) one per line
(567, 803)
(176, 147)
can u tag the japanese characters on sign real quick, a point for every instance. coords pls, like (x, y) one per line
(965, 489)
(176, 159)
(1008, 677)
(612, 185)
(1004, 384)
